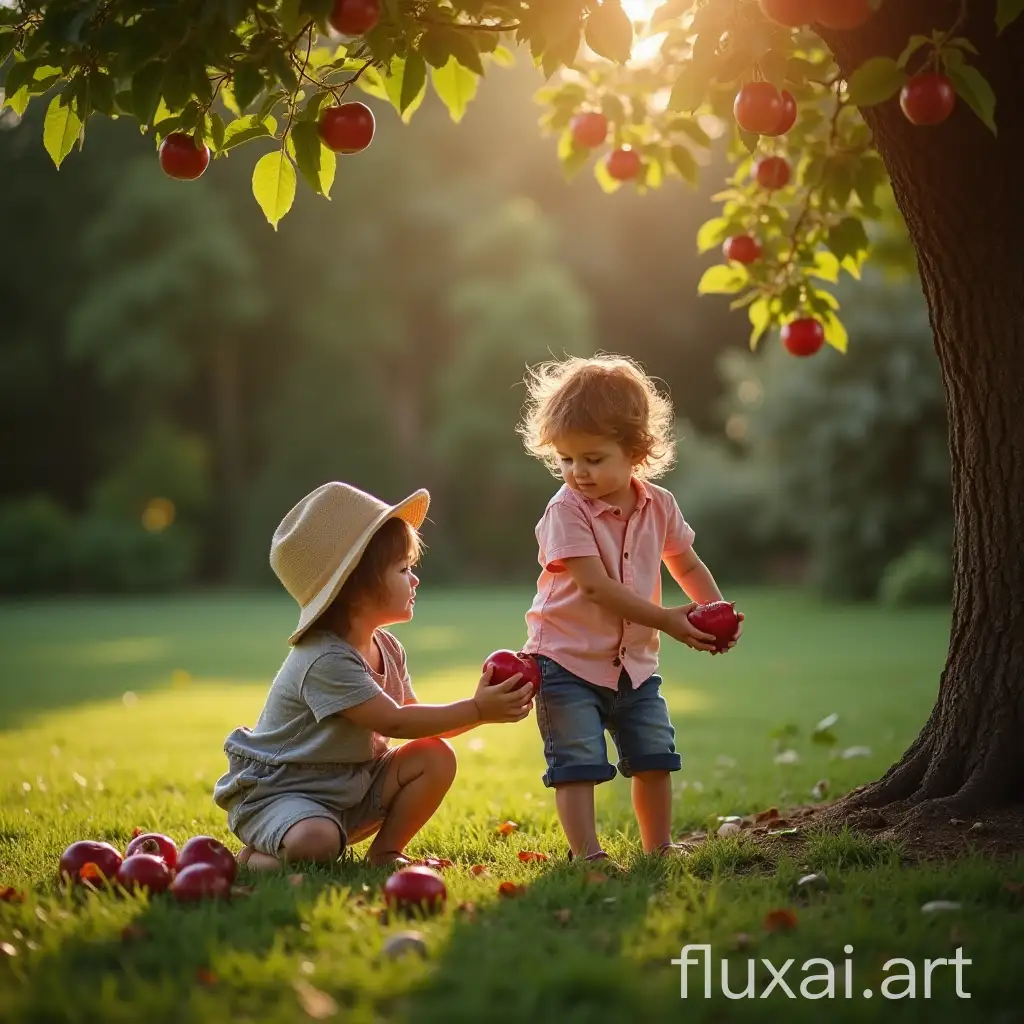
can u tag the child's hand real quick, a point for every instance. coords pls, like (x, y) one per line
(680, 628)
(503, 702)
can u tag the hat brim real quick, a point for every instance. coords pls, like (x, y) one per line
(413, 510)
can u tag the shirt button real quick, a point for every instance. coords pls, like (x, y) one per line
(616, 663)
(626, 555)
(617, 511)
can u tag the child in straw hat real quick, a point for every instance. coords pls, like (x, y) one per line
(317, 772)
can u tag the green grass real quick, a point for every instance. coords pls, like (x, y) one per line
(113, 715)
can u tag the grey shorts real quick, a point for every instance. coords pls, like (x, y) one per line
(264, 800)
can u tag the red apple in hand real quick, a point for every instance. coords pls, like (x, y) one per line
(102, 858)
(200, 881)
(144, 871)
(156, 844)
(718, 618)
(207, 850)
(415, 888)
(506, 664)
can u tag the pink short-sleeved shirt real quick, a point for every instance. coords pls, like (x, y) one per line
(589, 641)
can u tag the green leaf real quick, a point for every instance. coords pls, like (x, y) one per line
(316, 162)
(177, 83)
(61, 130)
(406, 82)
(972, 86)
(713, 233)
(503, 57)
(273, 185)
(573, 158)
(847, 238)
(609, 32)
(915, 44)
(434, 47)
(20, 74)
(760, 315)
(825, 266)
(835, 332)
(101, 93)
(146, 85)
(455, 85)
(750, 140)
(682, 160)
(8, 40)
(1007, 12)
(689, 90)
(689, 127)
(217, 129)
(247, 83)
(245, 129)
(722, 280)
(465, 52)
(875, 81)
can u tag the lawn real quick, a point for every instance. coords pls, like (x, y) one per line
(113, 718)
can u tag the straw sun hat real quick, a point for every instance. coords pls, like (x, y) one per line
(319, 542)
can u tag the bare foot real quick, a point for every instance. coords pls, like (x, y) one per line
(256, 861)
(394, 857)
(673, 850)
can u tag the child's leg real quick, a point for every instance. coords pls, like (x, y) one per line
(316, 840)
(419, 776)
(574, 802)
(652, 804)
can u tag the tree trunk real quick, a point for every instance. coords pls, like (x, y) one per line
(959, 190)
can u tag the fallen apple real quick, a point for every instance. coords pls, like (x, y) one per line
(207, 850)
(505, 664)
(198, 882)
(145, 871)
(415, 888)
(103, 857)
(156, 844)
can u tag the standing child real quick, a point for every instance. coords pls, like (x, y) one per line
(594, 624)
(317, 772)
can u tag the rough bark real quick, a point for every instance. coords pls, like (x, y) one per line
(960, 194)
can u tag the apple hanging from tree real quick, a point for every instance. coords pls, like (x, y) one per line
(347, 128)
(506, 664)
(589, 129)
(415, 888)
(928, 98)
(758, 108)
(803, 337)
(354, 17)
(791, 13)
(741, 249)
(207, 850)
(842, 14)
(145, 871)
(788, 118)
(623, 164)
(772, 172)
(182, 157)
(156, 844)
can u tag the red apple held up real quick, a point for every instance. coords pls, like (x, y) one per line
(156, 844)
(772, 172)
(506, 664)
(103, 858)
(791, 13)
(145, 871)
(200, 882)
(623, 164)
(347, 128)
(842, 14)
(589, 129)
(803, 337)
(415, 888)
(354, 17)
(742, 249)
(207, 850)
(182, 158)
(718, 618)
(758, 108)
(928, 98)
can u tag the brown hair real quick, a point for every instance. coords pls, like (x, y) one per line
(608, 396)
(394, 542)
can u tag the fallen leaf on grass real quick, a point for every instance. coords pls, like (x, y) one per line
(530, 855)
(478, 869)
(90, 872)
(318, 1005)
(11, 895)
(437, 863)
(769, 815)
(133, 933)
(511, 889)
(782, 919)
(206, 977)
(467, 909)
(506, 828)
(783, 831)
(563, 916)
(136, 832)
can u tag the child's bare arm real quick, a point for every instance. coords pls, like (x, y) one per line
(451, 732)
(694, 577)
(500, 703)
(596, 585)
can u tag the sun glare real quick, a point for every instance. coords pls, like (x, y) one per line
(641, 10)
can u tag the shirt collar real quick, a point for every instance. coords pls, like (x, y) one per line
(598, 506)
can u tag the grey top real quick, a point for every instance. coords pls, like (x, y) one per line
(322, 676)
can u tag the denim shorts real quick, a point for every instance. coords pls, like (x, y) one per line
(573, 715)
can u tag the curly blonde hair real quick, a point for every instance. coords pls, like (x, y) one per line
(605, 395)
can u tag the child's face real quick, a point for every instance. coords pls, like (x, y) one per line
(398, 594)
(597, 467)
